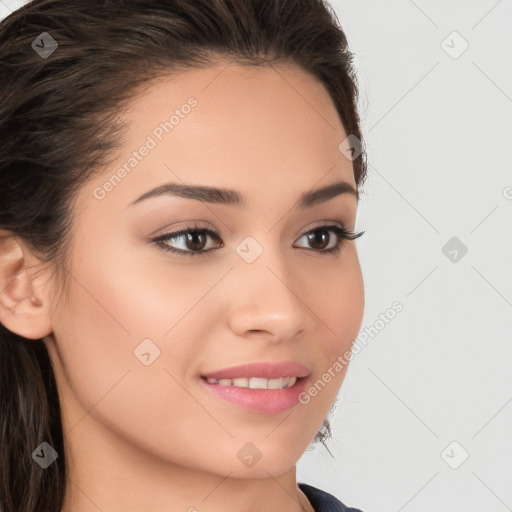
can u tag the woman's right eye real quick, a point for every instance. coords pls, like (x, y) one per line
(194, 240)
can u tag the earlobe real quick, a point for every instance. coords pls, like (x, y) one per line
(23, 304)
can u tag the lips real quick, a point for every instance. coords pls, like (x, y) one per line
(262, 370)
(271, 400)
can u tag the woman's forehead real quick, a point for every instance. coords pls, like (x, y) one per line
(242, 125)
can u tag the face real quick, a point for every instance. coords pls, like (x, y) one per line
(254, 283)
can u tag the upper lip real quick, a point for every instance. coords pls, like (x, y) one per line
(262, 370)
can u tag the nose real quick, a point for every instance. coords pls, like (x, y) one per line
(269, 299)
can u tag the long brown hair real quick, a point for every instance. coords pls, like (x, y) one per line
(58, 126)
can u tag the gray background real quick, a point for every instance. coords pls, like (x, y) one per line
(438, 130)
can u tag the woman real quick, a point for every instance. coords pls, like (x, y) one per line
(179, 281)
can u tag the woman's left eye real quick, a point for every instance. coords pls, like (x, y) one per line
(341, 234)
(194, 239)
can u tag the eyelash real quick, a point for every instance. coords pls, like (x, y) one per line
(341, 233)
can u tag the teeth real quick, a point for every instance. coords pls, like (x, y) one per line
(256, 382)
(275, 383)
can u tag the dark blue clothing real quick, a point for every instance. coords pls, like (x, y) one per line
(323, 501)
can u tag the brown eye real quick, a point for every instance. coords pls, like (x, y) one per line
(194, 240)
(319, 238)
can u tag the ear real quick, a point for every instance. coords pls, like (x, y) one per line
(24, 301)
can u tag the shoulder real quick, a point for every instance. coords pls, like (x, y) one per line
(323, 501)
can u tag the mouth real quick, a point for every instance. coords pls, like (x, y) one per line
(257, 394)
(272, 371)
(255, 382)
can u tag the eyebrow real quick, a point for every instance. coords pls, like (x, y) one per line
(233, 198)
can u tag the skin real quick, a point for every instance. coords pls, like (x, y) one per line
(145, 438)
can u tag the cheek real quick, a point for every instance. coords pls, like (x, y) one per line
(116, 303)
(94, 336)
(152, 296)
(338, 301)
(112, 308)
(339, 305)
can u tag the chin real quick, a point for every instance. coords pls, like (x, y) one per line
(258, 460)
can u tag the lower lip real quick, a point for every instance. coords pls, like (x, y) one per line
(269, 401)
